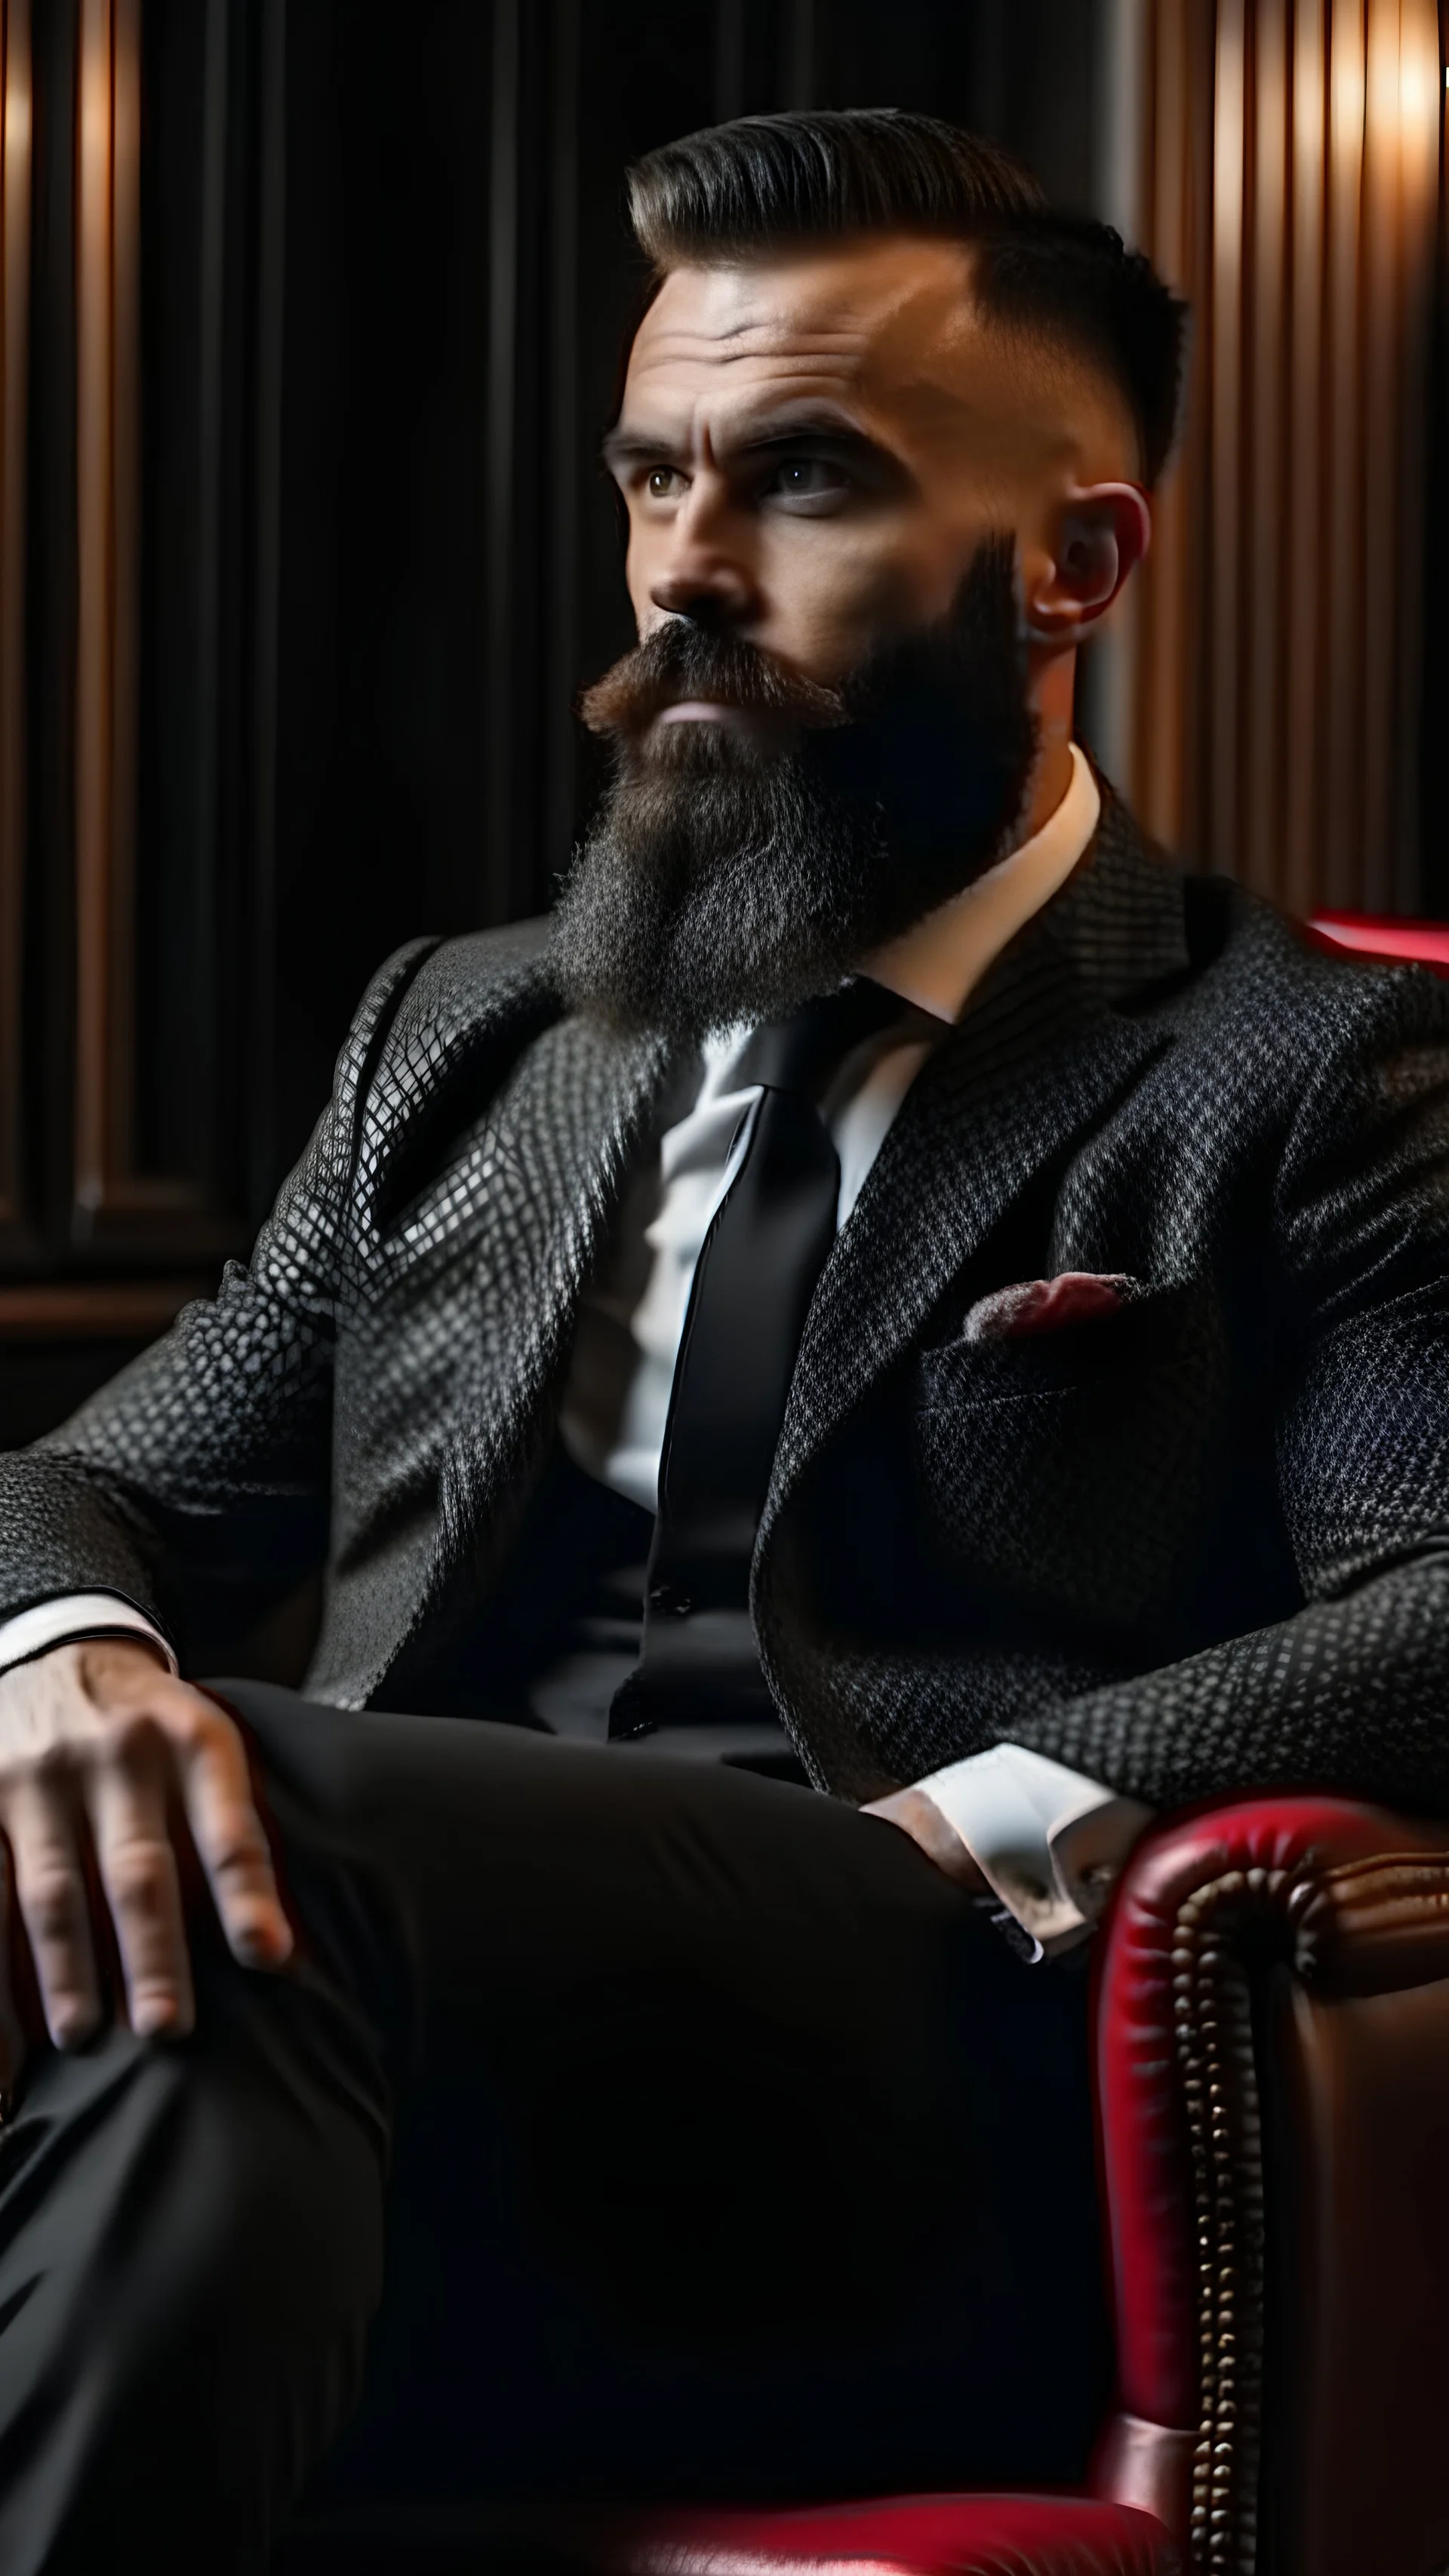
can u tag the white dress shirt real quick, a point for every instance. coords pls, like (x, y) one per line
(1048, 1841)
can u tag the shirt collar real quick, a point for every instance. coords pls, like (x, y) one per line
(939, 962)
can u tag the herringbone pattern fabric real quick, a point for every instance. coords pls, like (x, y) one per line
(1198, 1545)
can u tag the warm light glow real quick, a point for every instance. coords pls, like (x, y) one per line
(1308, 95)
(95, 86)
(1386, 96)
(17, 117)
(1385, 68)
(1419, 104)
(1417, 92)
(1348, 87)
(95, 110)
(1229, 118)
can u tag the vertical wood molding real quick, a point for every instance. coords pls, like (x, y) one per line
(1257, 828)
(112, 1200)
(16, 117)
(270, 308)
(1420, 197)
(107, 393)
(1224, 372)
(1343, 623)
(1110, 676)
(501, 812)
(1380, 321)
(1165, 742)
(1278, 677)
(561, 657)
(210, 643)
(1306, 524)
(531, 539)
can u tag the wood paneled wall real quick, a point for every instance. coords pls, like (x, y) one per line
(150, 1178)
(140, 296)
(108, 392)
(310, 552)
(15, 165)
(1290, 184)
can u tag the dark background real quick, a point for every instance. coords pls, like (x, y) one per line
(366, 327)
(384, 275)
(458, 281)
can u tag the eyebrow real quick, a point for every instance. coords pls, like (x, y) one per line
(623, 448)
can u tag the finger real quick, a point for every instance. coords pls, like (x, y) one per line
(50, 1890)
(230, 1843)
(138, 1872)
(12, 2033)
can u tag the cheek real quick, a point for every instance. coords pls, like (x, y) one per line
(639, 573)
(831, 600)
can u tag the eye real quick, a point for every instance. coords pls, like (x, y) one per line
(812, 483)
(660, 481)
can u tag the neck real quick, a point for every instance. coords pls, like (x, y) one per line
(1053, 697)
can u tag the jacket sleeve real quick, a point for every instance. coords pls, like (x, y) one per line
(195, 1484)
(1351, 1694)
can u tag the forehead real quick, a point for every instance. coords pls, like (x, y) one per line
(886, 324)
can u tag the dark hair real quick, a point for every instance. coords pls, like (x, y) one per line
(765, 180)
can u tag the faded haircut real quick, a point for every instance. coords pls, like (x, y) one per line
(763, 182)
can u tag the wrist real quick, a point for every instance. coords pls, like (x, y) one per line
(915, 1812)
(108, 1664)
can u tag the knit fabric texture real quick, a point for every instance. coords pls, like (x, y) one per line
(1192, 1544)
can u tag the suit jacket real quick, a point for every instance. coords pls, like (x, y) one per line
(1198, 1544)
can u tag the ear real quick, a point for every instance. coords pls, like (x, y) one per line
(1103, 532)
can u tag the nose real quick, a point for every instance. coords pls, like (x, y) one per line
(713, 604)
(700, 577)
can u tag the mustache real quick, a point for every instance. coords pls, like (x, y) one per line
(917, 682)
(682, 659)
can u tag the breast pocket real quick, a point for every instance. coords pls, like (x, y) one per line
(1069, 1469)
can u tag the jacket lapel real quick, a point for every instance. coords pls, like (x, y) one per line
(543, 1175)
(1041, 1052)
(549, 1171)
(556, 1158)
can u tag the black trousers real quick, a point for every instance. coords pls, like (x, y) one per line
(624, 2126)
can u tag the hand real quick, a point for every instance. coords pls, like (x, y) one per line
(919, 1816)
(101, 1752)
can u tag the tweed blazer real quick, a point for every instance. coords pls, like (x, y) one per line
(1197, 1544)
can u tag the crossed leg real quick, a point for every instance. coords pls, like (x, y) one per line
(690, 2132)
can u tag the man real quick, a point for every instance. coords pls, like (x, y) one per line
(895, 1293)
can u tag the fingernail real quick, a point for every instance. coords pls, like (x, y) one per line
(149, 2019)
(267, 1946)
(72, 2030)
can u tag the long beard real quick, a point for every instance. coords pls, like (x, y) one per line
(724, 879)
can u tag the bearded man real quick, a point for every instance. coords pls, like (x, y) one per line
(896, 1336)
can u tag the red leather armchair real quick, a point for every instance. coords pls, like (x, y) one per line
(1273, 2062)
(1272, 2015)
(1273, 2059)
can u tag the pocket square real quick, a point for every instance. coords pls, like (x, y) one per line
(1041, 1305)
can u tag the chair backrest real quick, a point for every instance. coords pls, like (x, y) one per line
(1419, 943)
(1273, 2093)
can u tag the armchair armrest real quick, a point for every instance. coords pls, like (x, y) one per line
(1273, 2067)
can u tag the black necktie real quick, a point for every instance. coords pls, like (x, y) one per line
(753, 1284)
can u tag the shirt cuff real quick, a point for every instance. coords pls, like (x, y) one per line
(1049, 1842)
(66, 1621)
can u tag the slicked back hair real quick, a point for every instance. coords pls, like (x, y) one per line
(764, 182)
